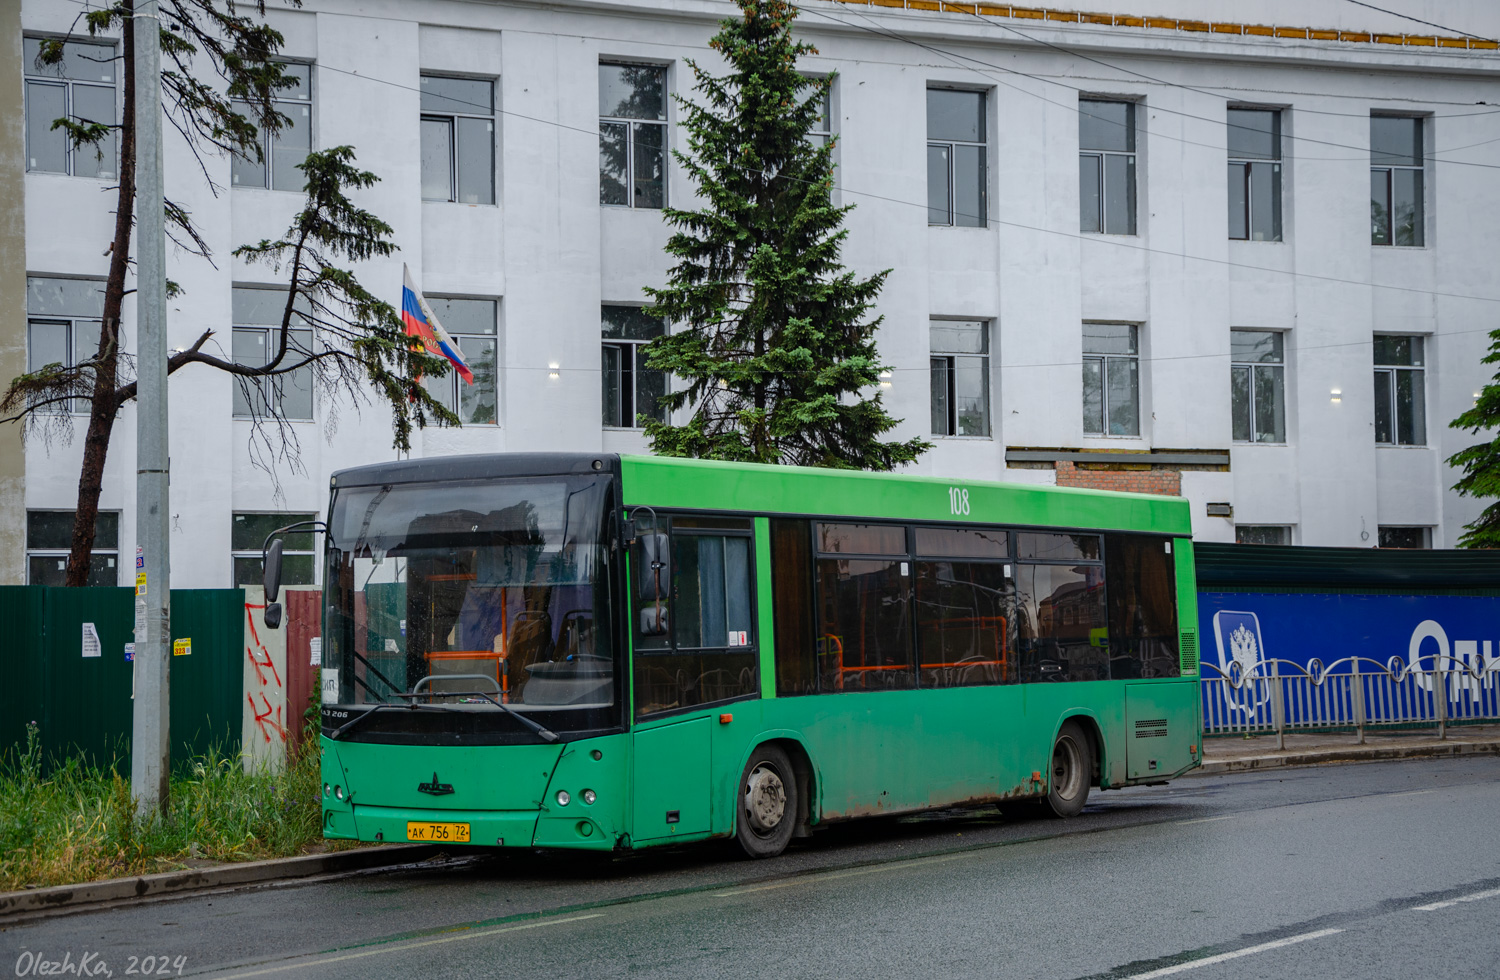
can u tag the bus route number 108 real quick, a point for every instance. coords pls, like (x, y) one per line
(958, 501)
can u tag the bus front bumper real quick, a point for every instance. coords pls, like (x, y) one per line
(482, 828)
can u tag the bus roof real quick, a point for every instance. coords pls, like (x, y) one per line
(701, 484)
(697, 484)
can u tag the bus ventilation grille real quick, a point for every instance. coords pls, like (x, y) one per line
(1188, 654)
(1151, 728)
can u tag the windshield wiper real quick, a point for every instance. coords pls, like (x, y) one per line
(543, 733)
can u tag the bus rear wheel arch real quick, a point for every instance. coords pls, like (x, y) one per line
(1072, 770)
(768, 802)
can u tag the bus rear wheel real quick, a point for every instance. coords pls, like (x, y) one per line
(1072, 766)
(767, 803)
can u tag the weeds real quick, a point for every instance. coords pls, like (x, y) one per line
(79, 823)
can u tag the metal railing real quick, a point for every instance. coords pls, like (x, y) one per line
(1281, 695)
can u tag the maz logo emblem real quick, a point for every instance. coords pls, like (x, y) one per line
(435, 788)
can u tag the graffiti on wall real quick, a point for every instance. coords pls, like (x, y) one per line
(263, 732)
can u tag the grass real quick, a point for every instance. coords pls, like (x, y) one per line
(78, 823)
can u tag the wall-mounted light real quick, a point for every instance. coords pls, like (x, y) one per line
(1220, 510)
(1336, 395)
(553, 372)
(885, 379)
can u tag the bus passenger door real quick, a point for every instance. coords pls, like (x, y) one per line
(671, 781)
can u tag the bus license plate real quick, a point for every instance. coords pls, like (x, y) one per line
(457, 833)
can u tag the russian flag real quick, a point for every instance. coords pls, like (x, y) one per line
(423, 323)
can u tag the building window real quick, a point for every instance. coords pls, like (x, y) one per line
(458, 140)
(1262, 534)
(631, 389)
(632, 136)
(1400, 392)
(1106, 167)
(1257, 385)
(282, 153)
(63, 321)
(955, 158)
(80, 87)
(1255, 175)
(49, 539)
(257, 335)
(1396, 181)
(471, 324)
(822, 128)
(1111, 380)
(960, 378)
(247, 536)
(1405, 537)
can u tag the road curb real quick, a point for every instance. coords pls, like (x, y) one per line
(200, 879)
(1352, 753)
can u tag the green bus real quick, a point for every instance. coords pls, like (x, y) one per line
(614, 652)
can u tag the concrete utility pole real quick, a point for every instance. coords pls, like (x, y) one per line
(150, 755)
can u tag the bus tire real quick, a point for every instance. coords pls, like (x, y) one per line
(766, 803)
(1072, 765)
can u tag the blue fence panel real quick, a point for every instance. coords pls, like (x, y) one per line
(1312, 660)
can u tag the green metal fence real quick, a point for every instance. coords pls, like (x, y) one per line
(82, 704)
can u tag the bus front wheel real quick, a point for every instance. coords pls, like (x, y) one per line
(767, 803)
(1072, 766)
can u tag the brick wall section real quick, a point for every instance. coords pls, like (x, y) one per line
(1166, 482)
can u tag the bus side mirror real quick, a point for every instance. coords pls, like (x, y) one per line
(653, 620)
(654, 578)
(272, 582)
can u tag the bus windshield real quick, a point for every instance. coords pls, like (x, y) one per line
(463, 594)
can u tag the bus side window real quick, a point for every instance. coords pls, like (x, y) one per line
(792, 607)
(1142, 586)
(1064, 632)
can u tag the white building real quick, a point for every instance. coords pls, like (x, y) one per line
(1073, 273)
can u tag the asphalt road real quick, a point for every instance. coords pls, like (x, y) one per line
(1359, 871)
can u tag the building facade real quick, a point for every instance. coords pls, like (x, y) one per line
(1247, 263)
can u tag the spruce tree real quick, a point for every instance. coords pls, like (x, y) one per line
(776, 342)
(1481, 462)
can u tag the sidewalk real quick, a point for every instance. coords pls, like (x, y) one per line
(1236, 753)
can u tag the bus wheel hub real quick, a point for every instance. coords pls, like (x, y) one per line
(765, 799)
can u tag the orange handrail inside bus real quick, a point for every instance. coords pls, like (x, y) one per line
(999, 623)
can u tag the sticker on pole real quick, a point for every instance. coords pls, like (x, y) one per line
(182, 647)
(91, 645)
(315, 651)
(330, 693)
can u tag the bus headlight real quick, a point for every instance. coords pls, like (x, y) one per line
(563, 799)
(338, 792)
(327, 790)
(589, 797)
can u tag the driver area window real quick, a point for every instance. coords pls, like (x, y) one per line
(692, 607)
